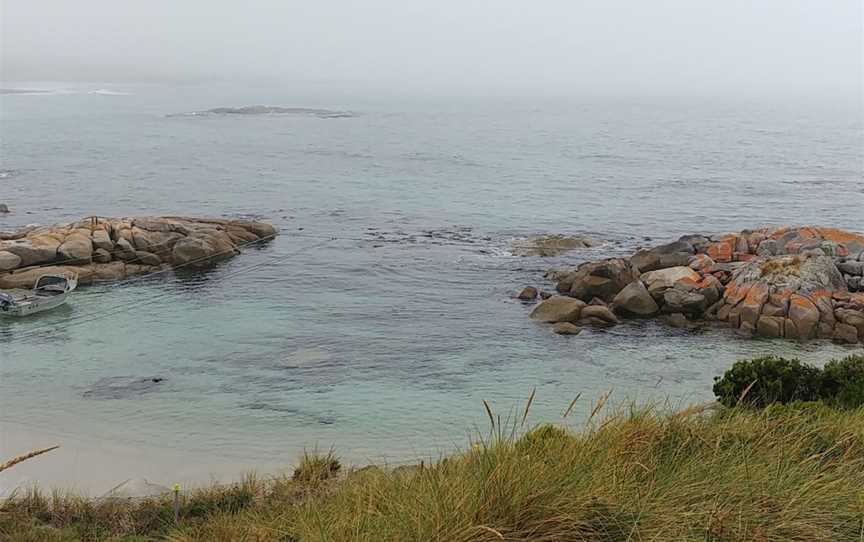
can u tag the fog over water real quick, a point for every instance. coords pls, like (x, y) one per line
(779, 48)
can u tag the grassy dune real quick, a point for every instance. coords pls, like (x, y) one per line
(784, 473)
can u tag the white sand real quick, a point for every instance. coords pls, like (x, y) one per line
(93, 466)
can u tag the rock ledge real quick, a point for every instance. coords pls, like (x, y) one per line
(100, 249)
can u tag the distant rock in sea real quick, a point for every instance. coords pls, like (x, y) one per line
(268, 110)
(24, 91)
(101, 249)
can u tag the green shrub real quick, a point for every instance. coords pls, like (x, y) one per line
(770, 379)
(843, 382)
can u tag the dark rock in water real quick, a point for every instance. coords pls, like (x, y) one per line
(599, 312)
(634, 300)
(603, 279)
(268, 110)
(4, 208)
(678, 320)
(670, 255)
(566, 328)
(545, 295)
(529, 293)
(679, 301)
(558, 309)
(121, 387)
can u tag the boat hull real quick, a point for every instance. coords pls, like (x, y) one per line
(34, 306)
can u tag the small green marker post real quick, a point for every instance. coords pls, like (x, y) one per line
(176, 504)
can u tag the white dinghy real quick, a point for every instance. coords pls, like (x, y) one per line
(49, 292)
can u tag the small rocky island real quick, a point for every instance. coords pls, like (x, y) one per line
(268, 110)
(797, 283)
(102, 249)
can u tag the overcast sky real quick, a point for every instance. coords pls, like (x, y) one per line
(558, 46)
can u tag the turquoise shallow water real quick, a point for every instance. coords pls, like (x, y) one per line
(384, 342)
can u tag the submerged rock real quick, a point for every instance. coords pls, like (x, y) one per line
(115, 248)
(566, 328)
(550, 245)
(120, 387)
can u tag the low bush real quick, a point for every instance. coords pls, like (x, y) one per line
(843, 382)
(762, 381)
(768, 380)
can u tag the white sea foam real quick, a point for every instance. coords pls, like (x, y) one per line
(107, 92)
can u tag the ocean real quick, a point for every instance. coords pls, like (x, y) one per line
(383, 315)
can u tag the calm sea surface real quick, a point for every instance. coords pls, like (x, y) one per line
(383, 341)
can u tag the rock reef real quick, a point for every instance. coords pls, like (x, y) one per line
(797, 283)
(100, 249)
(268, 110)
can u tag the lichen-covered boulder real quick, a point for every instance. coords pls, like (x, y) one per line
(657, 282)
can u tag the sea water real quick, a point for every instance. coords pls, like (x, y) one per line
(383, 315)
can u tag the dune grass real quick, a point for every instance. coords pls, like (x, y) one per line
(784, 473)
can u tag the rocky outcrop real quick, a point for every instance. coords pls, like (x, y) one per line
(117, 248)
(795, 283)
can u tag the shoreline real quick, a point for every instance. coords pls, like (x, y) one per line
(92, 467)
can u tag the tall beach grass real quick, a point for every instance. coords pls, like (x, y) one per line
(784, 473)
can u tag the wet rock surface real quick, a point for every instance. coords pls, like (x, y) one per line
(797, 283)
(99, 249)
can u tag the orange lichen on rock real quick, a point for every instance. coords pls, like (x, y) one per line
(840, 236)
(724, 250)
